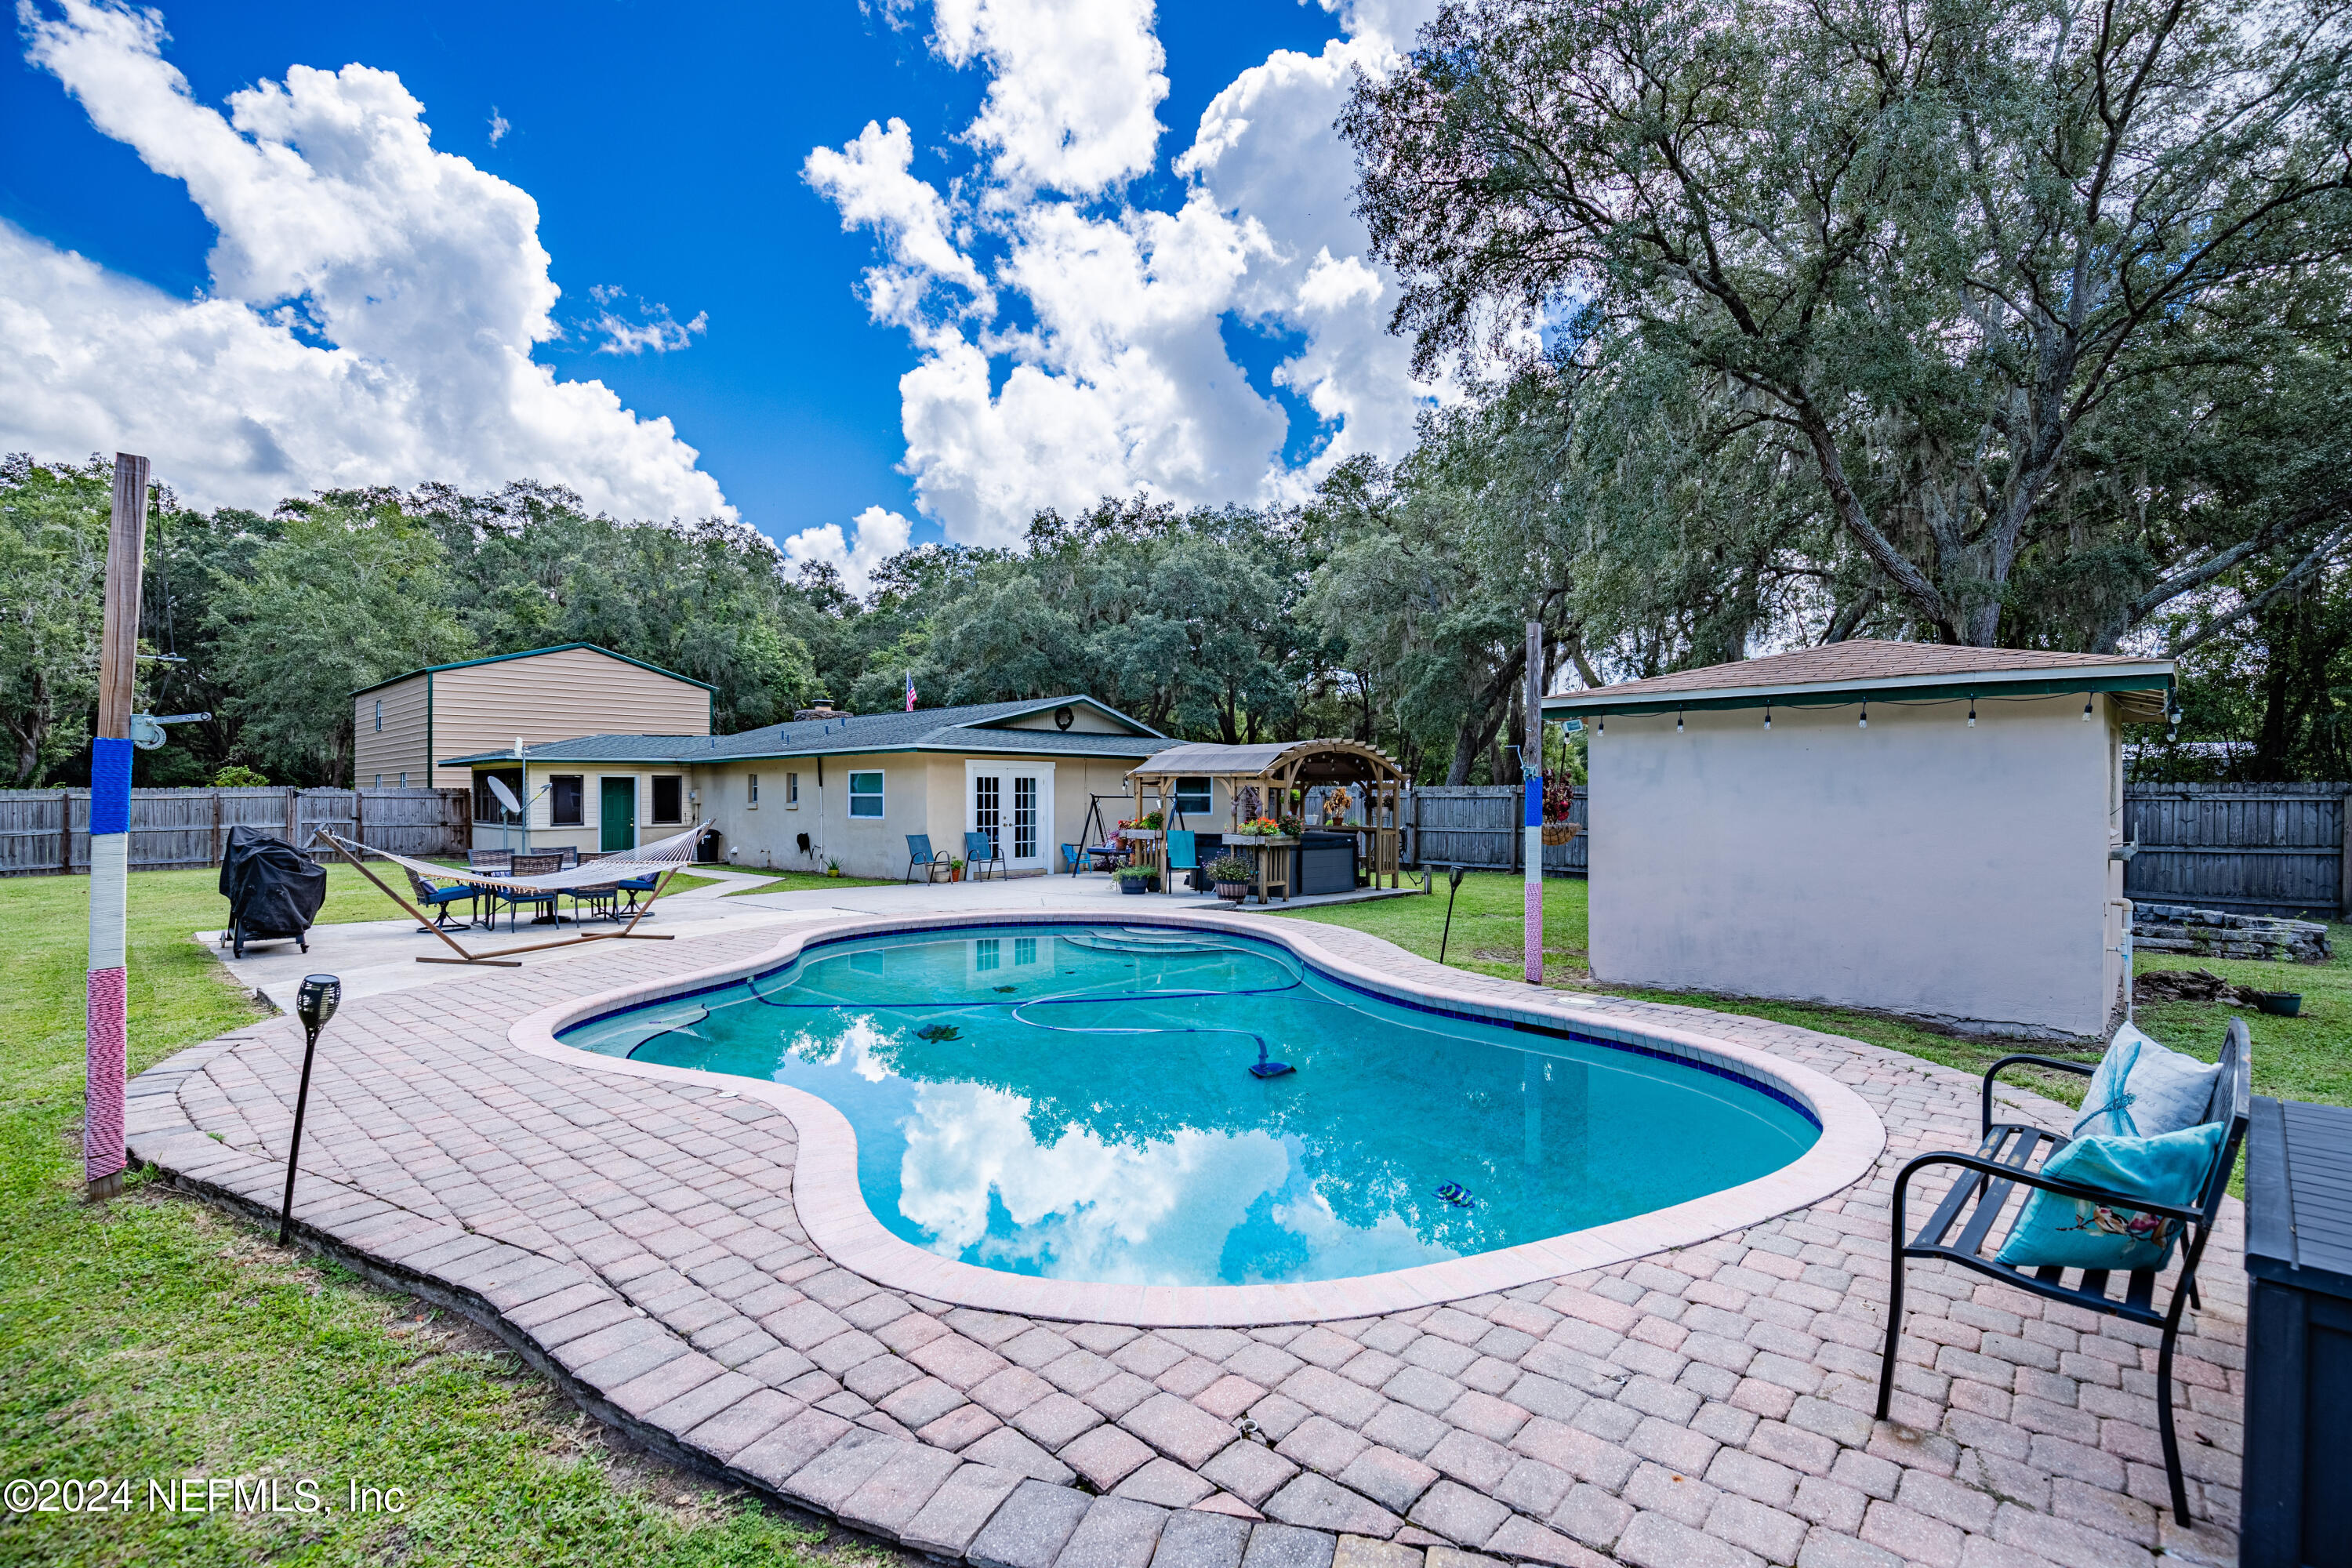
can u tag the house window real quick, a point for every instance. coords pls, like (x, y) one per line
(404, 781)
(485, 805)
(791, 792)
(752, 798)
(1193, 796)
(379, 781)
(379, 714)
(866, 794)
(669, 798)
(566, 796)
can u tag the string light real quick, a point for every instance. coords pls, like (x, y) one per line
(1767, 713)
(1603, 726)
(1678, 720)
(1866, 713)
(2087, 708)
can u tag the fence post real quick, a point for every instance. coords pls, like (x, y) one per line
(65, 833)
(216, 828)
(358, 817)
(293, 815)
(2344, 862)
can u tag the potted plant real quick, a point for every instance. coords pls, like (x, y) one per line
(1134, 879)
(1150, 821)
(1559, 799)
(1229, 874)
(832, 867)
(955, 870)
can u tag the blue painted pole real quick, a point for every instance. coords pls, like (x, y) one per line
(1531, 756)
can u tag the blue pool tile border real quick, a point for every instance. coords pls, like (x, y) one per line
(1517, 1025)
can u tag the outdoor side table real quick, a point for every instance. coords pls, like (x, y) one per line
(2297, 1479)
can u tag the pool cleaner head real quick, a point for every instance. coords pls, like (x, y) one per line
(1264, 1068)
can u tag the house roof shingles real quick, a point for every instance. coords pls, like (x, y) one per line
(959, 729)
(1868, 665)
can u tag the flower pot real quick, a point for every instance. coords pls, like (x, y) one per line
(2284, 1004)
(955, 873)
(1558, 832)
(1133, 885)
(1236, 891)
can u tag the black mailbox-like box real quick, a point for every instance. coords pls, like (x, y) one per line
(2297, 1502)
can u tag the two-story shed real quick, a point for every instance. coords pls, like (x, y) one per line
(544, 694)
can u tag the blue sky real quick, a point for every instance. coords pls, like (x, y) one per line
(665, 151)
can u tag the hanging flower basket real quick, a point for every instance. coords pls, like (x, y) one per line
(1558, 832)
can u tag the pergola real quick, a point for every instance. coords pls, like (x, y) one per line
(1277, 767)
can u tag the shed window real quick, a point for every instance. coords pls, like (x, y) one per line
(791, 792)
(752, 798)
(485, 805)
(866, 794)
(378, 713)
(669, 798)
(566, 794)
(379, 781)
(1193, 796)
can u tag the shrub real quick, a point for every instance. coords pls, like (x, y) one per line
(238, 776)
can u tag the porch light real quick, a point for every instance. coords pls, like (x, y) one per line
(2087, 708)
(1866, 713)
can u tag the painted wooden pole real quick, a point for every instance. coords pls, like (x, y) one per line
(1531, 762)
(109, 1036)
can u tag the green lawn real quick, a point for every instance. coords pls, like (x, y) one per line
(2305, 1058)
(155, 1337)
(803, 881)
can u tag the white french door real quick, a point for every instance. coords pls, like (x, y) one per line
(1013, 804)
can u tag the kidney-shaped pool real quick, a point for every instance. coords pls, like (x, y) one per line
(1076, 1101)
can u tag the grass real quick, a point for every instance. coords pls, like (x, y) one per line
(154, 1337)
(2305, 1058)
(803, 881)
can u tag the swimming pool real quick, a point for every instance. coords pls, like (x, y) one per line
(1074, 1101)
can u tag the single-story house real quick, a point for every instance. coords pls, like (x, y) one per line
(544, 694)
(832, 787)
(1931, 830)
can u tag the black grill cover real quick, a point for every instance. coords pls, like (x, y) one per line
(273, 889)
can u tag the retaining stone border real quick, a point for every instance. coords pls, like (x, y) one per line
(2216, 934)
(637, 1241)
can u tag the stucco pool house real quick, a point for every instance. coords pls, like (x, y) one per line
(1932, 830)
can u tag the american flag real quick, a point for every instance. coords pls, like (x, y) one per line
(910, 691)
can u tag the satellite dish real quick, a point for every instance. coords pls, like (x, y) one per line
(504, 796)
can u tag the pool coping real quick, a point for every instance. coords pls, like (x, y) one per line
(832, 1206)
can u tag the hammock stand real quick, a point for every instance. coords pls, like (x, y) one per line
(499, 960)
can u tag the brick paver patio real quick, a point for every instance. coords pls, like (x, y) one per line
(1711, 1405)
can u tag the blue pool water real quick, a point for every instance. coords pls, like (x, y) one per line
(1074, 1101)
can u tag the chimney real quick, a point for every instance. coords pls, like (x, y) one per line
(822, 709)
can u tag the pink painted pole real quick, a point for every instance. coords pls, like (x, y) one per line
(1531, 762)
(109, 1038)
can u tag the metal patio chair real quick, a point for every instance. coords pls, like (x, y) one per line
(978, 854)
(436, 901)
(1960, 1230)
(541, 899)
(920, 853)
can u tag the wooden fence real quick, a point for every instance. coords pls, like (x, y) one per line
(1480, 826)
(2277, 849)
(48, 831)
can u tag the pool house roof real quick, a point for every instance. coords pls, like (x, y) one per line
(1843, 672)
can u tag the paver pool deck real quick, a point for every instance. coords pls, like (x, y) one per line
(638, 1240)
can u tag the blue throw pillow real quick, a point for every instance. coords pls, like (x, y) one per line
(2072, 1233)
(2141, 1090)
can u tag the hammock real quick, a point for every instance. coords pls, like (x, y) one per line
(662, 855)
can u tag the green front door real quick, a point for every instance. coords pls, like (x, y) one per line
(618, 815)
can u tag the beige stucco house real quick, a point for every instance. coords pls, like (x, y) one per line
(846, 788)
(1957, 858)
(544, 694)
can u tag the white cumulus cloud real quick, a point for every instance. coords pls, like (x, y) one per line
(1071, 343)
(880, 535)
(372, 314)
